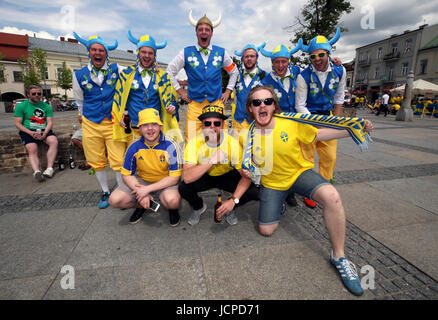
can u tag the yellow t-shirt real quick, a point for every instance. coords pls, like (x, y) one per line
(197, 151)
(278, 154)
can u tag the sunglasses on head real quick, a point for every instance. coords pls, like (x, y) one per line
(216, 123)
(35, 94)
(258, 102)
(321, 54)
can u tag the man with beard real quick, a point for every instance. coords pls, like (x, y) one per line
(93, 89)
(202, 63)
(213, 159)
(250, 75)
(321, 88)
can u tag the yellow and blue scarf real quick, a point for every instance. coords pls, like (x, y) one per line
(354, 126)
(167, 95)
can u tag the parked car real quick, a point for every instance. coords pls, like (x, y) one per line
(347, 99)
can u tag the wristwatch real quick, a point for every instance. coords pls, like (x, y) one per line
(236, 200)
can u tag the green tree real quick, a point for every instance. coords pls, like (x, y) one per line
(39, 61)
(30, 75)
(65, 78)
(2, 69)
(318, 17)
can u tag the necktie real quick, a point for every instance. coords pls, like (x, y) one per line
(252, 74)
(95, 71)
(282, 79)
(144, 71)
(204, 50)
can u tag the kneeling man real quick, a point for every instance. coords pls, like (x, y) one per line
(156, 159)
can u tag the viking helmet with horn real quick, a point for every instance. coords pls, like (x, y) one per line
(250, 46)
(282, 51)
(205, 20)
(321, 42)
(95, 39)
(146, 41)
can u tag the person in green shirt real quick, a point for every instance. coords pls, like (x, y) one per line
(34, 120)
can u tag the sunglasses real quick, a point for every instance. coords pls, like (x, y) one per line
(258, 102)
(216, 123)
(35, 94)
(321, 55)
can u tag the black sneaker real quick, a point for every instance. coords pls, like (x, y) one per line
(174, 218)
(136, 215)
(290, 199)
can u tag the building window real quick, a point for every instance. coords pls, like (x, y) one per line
(47, 73)
(391, 73)
(404, 70)
(395, 47)
(408, 46)
(2, 76)
(377, 74)
(423, 66)
(18, 76)
(348, 82)
(379, 53)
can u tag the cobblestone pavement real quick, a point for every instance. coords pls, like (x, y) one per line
(395, 277)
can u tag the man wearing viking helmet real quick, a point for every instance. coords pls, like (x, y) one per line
(93, 89)
(142, 86)
(320, 91)
(202, 63)
(250, 75)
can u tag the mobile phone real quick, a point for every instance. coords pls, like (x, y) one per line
(154, 206)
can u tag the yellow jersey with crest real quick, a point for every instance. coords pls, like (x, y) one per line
(197, 151)
(277, 153)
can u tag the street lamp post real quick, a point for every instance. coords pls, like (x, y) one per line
(405, 113)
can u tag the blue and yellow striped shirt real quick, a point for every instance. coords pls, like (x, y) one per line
(153, 163)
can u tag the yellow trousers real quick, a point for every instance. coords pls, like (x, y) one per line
(96, 137)
(327, 156)
(193, 124)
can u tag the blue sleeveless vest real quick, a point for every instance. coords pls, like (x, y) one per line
(316, 99)
(205, 81)
(98, 100)
(141, 98)
(242, 92)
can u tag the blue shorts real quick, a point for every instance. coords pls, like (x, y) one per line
(271, 200)
(27, 138)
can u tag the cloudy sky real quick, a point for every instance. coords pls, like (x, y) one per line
(243, 22)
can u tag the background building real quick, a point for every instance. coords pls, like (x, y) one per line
(14, 47)
(384, 64)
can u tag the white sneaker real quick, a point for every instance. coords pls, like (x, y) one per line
(38, 176)
(196, 215)
(231, 218)
(48, 172)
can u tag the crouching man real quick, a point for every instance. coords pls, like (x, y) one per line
(213, 159)
(156, 160)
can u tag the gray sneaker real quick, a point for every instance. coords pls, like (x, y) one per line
(38, 176)
(196, 215)
(231, 218)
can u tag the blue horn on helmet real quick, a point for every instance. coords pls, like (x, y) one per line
(250, 46)
(95, 39)
(282, 51)
(321, 42)
(146, 41)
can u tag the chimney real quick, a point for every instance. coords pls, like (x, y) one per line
(62, 38)
(131, 51)
(72, 40)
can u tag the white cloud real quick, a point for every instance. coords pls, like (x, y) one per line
(38, 34)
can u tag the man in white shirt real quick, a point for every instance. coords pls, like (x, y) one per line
(203, 63)
(320, 91)
(93, 90)
(384, 105)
